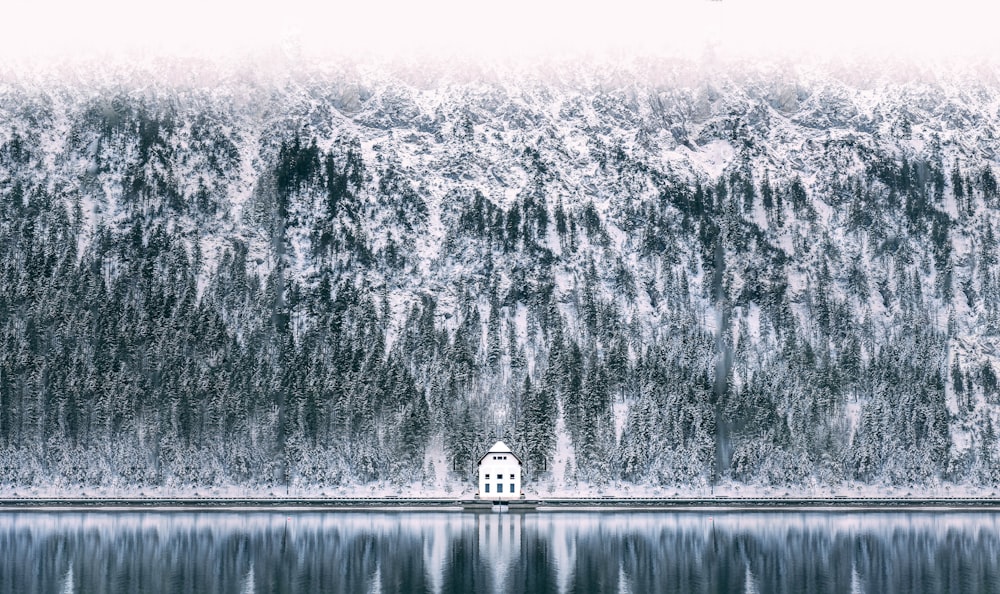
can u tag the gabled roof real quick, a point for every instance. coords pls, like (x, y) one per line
(500, 448)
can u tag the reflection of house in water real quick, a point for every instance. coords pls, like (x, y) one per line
(477, 552)
(500, 542)
(436, 554)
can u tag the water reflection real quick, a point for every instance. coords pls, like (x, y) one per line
(538, 552)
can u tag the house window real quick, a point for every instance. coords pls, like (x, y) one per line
(499, 476)
(499, 488)
(487, 487)
(512, 487)
(487, 477)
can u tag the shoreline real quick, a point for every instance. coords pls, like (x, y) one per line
(547, 505)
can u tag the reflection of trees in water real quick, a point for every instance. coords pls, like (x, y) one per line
(546, 552)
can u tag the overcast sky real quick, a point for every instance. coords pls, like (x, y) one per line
(220, 27)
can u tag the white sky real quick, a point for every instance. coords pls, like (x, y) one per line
(44, 28)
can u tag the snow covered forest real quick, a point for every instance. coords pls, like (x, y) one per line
(653, 272)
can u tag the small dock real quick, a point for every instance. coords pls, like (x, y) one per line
(500, 505)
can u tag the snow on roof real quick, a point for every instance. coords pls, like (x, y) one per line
(500, 448)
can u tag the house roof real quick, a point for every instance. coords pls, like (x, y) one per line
(500, 448)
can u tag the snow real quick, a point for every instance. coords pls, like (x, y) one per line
(712, 158)
(54, 140)
(429, 243)
(961, 439)
(435, 468)
(499, 448)
(561, 485)
(562, 461)
(211, 247)
(853, 413)
(620, 411)
(400, 302)
(571, 134)
(751, 318)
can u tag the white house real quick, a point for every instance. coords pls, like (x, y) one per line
(499, 473)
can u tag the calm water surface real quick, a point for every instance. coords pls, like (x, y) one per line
(463, 552)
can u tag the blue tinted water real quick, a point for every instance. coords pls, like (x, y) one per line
(533, 552)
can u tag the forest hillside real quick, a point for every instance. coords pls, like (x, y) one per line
(652, 273)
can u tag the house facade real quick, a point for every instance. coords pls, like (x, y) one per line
(499, 474)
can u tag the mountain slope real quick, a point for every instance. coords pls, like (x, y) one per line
(759, 275)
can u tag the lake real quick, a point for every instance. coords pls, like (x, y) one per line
(617, 551)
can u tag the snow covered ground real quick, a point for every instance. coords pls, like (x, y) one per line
(454, 489)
